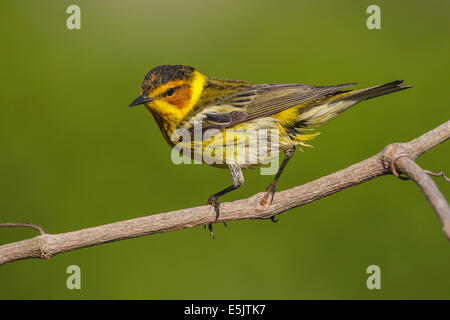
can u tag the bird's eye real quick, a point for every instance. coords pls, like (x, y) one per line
(170, 92)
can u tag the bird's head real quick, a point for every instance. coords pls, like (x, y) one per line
(171, 90)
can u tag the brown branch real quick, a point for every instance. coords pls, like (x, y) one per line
(23, 224)
(397, 156)
(430, 190)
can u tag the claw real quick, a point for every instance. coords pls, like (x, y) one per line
(211, 231)
(274, 220)
(210, 228)
(216, 204)
(238, 180)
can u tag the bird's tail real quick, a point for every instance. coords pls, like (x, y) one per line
(369, 93)
(340, 101)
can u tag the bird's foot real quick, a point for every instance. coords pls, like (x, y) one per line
(213, 201)
(216, 204)
(270, 192)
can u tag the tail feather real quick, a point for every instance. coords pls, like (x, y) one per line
(341, 101)
(369, 93)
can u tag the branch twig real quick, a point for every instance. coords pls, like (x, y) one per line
(430, 190)
(23, 224)
(397, 157)
(438, 174)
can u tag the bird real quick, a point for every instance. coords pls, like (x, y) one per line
(181, 99)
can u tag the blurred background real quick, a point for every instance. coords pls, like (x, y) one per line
(72, 155)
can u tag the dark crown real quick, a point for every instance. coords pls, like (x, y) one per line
(164, 74)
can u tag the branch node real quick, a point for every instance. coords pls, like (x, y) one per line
(392, 153)
(45, 252)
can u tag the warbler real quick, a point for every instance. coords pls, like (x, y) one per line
(181, 98)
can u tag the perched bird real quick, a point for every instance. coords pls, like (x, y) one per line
(180, 97)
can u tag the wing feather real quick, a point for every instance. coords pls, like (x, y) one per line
(268, 99)
(258, 101)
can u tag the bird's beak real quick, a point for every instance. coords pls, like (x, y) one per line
(143, 98)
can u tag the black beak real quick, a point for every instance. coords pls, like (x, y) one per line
(143, 98)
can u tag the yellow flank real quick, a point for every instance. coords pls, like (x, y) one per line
(289, 116)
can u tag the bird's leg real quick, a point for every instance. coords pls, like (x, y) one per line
(238, 180)
(214, 199)
(272, 187)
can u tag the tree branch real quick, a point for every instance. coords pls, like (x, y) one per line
(395, 158)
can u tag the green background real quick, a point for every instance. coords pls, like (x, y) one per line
(72, 155)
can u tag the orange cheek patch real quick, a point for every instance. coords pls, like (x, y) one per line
(181, 98)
